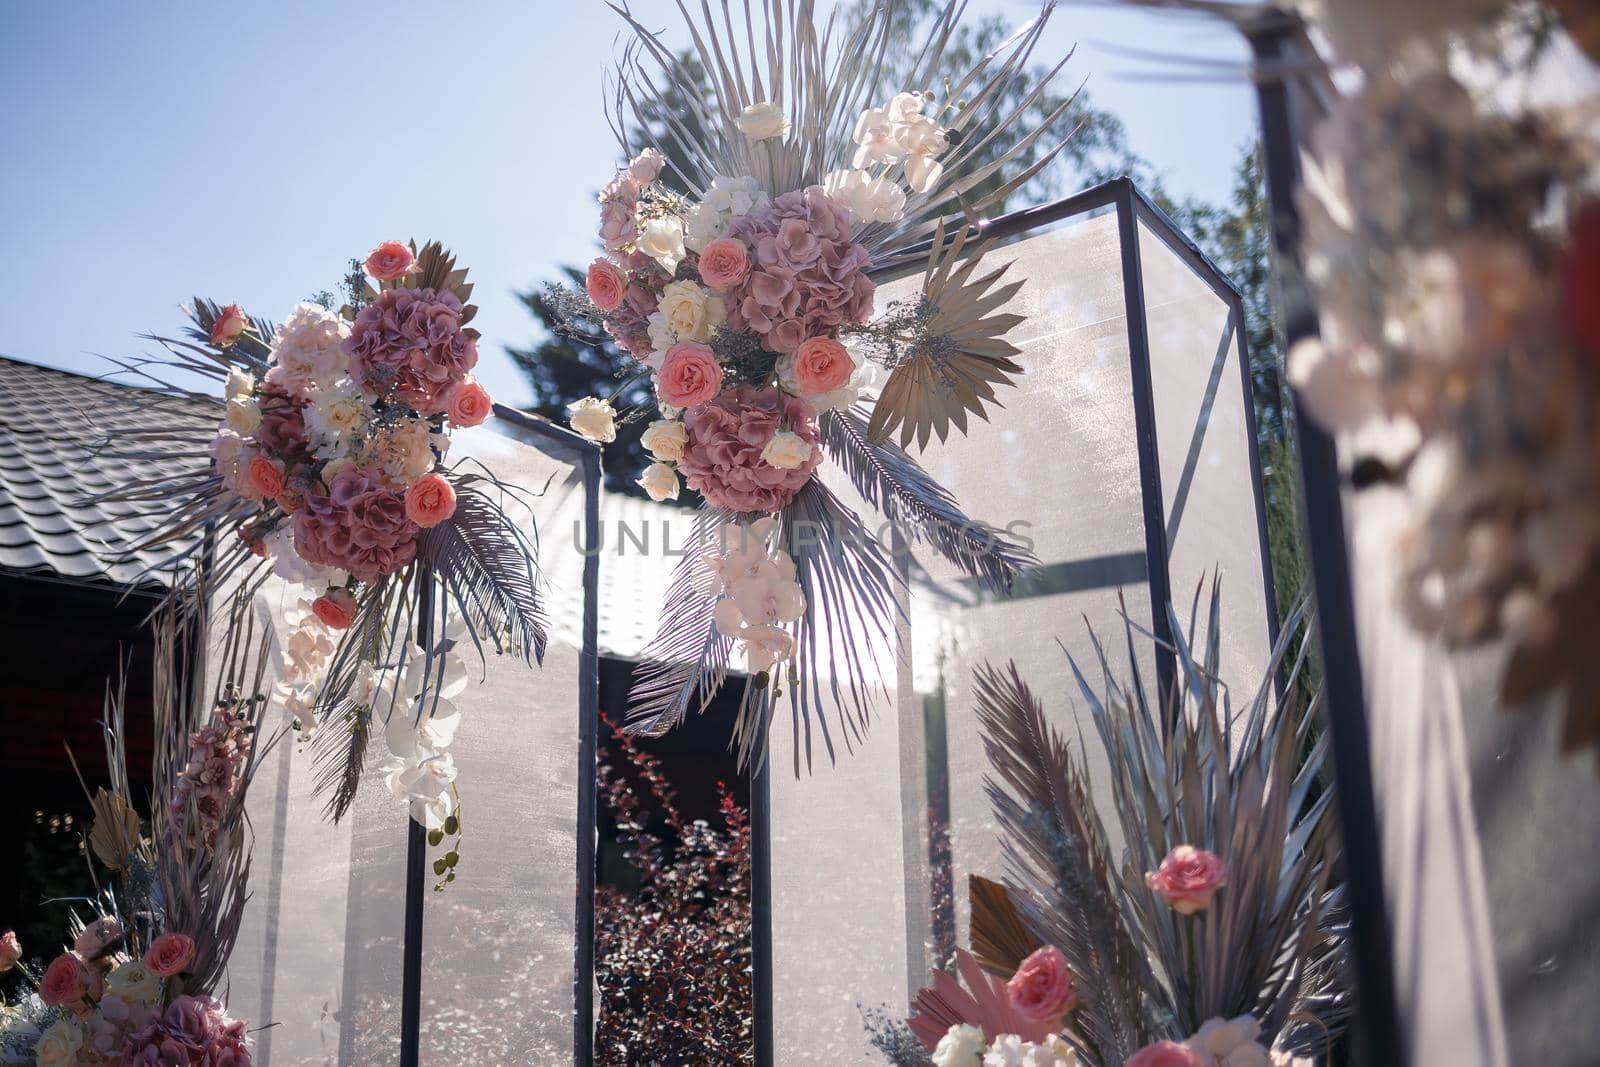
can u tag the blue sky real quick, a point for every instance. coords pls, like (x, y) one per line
(152, 152)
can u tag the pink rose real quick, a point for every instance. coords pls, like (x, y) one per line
(96, 938)
(690, 375)
(266, 476)
(169, 954)
(430, 500)
(1188, 878)
(336, 608)
(821, 365)
(229, 325)
(65, 981)
(606, 284)
(390, 260)
(724, 263)
(10, 950)
(1166, 1054)
(1042, 990)
(469, 403)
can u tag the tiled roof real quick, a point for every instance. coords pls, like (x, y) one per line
(48, 470)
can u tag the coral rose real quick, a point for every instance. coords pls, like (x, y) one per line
(229, 325)
(821, 365)
(1188, 878)
(10, 950)
(469, 404)
(606, 284)
(169, 954)
(336, 608)
(690, 375)
(1166, 1054)
(1042, 990)
(266, 476)
(724, 263)
(430, 500)
(65, 981)
(389, 261)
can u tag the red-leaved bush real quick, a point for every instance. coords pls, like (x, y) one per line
(672, 958)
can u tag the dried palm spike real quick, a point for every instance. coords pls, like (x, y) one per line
(1000, 939)
(115, 834)
(435, 269)
(959, 356)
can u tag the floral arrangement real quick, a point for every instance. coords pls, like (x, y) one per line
(739, 275)
(1452, 242)
(1215, 942)
(136, 981)
(329, 470)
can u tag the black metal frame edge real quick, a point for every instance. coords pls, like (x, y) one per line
(1379, 1022)
(761, 911)
(416, 886)
(588, 782)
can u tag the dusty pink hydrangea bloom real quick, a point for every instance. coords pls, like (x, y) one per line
(807, 277)
(358, 525)
(282, 432)
(726, 437)
(410, 343)
(192, 1031)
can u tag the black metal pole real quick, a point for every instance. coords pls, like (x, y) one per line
(416, 881)
(588, 782)
(1378, 1014)
(761, 909)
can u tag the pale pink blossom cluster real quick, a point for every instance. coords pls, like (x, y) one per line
(212, 777)
(358, 524)
(759, 593)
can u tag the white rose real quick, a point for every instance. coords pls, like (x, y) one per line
(132, 981)
(662, 240)
(660, 481)
(594, 419)
(961, 1046)
(765, 645)
(869, 199)
(244, 416)
(786, 450)
(690, 312)
(241, 383)
(762, 120)
(60, 1044)
(923, 173)
(665, 439)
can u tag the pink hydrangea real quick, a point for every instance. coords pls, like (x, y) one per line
(282, 432)
(193, 1032)
(411, 343)
(807, 276)
(726, 437)
(358, 525)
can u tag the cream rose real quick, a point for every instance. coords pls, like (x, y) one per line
(241, 383)
(786, 450)
(594, 418)
(244, 416)
(690, 312)
(762, 120)
(665, 439)
(660, 481)
(133, 982)
(961, 1046)
(59, 1045)
(662, 240)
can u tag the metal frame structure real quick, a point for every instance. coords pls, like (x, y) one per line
(1132, 207)
(588, 720)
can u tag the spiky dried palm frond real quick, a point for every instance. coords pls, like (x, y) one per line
(686, 662)
(1063, 880)
(958, 355)
(897, 486)
(193, 889)
(435, 269)
(1250, 786)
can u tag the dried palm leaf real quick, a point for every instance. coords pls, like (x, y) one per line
(114, 837)
(955, 361)
(897, 486)
(1000, 939)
